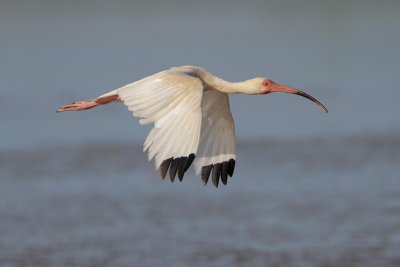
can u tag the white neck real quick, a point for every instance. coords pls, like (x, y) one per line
(224, 86)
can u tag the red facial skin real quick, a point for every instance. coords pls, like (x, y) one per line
(268, 85)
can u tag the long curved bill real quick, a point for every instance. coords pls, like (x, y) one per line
(286, 89)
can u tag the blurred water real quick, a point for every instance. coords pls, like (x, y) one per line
(316, 202)
(310, 189)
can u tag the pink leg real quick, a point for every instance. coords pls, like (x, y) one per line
(82, 105)
(79, 105)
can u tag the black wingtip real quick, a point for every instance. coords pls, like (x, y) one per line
(164, 167)
(173, 169)
(181, 168)
(224, 172)
(189, 161)
(220, 171)
(176, 166)
(216, 174)
(205, 173)
(231, 167)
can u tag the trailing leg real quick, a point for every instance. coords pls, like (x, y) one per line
(82, 105)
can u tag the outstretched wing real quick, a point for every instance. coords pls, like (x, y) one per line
(172, 101)
(217, 148)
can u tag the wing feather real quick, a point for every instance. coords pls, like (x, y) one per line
(217, 140)
(188, 121)
(172, 101)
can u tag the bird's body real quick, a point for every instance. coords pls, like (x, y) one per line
(189, 108)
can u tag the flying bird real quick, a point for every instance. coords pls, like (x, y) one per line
(189, 108)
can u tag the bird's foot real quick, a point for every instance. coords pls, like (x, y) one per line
(80, 105)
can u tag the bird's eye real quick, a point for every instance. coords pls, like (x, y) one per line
(266, 83)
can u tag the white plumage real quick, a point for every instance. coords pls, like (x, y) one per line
(217, 138)
(189, 108)
(172, 101)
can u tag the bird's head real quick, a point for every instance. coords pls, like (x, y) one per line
(265, 86)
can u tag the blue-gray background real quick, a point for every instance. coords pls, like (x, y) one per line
(310, 188)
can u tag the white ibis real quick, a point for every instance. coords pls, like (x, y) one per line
(192, 120)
